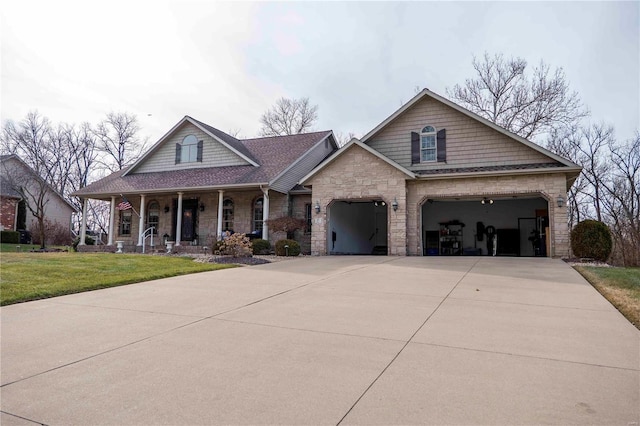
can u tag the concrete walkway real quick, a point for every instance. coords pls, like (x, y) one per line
(329, 340)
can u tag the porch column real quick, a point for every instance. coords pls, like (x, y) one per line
(83, 224)
(112, 220)
(141, 222)
(179, 220)
(265, 214)
(220, 213)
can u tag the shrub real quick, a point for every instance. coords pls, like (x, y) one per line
(286, 224)
(10, 237)
(281, 250)
(87, 241)
(591, 239)
(261, 246)
(236, 245)
(55, 234)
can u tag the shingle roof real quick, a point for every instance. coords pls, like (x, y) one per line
(489, 168)
(235, 143)
(273, 154)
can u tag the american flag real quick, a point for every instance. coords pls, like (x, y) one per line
(124, 205)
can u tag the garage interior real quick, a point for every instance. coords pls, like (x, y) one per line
(358, 227)
(486, 226)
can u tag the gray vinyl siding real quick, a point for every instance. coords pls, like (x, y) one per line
(300, 169)
(469, 142)
(214, 154)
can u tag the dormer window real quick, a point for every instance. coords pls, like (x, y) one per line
(189, 150)
(428, 145)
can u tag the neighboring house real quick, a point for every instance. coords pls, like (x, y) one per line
(16, 174)
(9, 202)
(197, 182)
(437, 179)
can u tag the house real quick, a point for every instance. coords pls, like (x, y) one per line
(21, 185)
(436, 179)
(431, 179)
(9, 203)
(197, 182)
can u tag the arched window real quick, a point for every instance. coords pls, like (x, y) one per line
(153, 216)
(428, 146)
(125, 222)
(258, 211)
(189, 150)
(227, 214)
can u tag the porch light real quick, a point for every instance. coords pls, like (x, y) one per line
(486, 200)
(201, 207)
(317, 207)
(166, 209)
(394, 204)
(560, 201)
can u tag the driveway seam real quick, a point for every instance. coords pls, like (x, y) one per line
(527, 356)
(530, 304)
(407, 343)
(310, 331)
(131, 310)
(23, 418)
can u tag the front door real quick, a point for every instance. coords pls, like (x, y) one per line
(189, 220)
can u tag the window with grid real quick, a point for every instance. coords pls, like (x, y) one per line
(258, 212)
(227, 214)
(428, 146)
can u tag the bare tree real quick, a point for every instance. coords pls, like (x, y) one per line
(621, 200)
(118, 139)
(31, 140)
(288, 117)
(503, 93)
(343, 139)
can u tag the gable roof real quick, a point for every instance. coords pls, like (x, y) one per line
(427, 93)
(273, 155)
(228, 141)
(30, 170)
(345, 148)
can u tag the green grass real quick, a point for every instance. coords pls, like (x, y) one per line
(31, 276)
(620, 286)
(13, 248)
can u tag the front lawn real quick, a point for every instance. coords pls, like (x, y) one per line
(620, 286)
(30, 276)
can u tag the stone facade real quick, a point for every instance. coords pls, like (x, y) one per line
(359, 175)
(8, 211)
(207, 220)
(548, 186)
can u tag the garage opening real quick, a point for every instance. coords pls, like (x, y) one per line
(358, 227)
(514, 226)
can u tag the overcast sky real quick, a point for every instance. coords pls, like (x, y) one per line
(226, 63)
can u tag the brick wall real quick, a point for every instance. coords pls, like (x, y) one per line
(8, 213)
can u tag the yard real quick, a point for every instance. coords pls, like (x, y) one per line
(31, 276)
(620, 286)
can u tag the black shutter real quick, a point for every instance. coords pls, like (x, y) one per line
(178, 153)
(442, 146)
(199, 159)
(415, 148)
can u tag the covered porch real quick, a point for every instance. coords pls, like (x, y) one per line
(191, 220)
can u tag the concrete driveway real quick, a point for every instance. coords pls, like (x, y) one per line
(328, 340)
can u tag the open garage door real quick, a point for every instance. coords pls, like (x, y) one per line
(514, 226)
(357, 227)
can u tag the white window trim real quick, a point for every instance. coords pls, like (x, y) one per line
(435, 146)
(188, 148)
